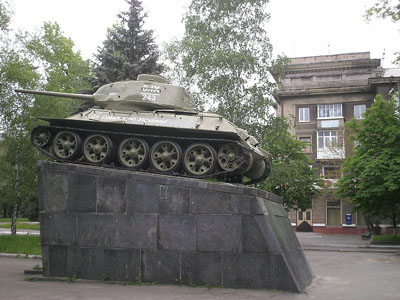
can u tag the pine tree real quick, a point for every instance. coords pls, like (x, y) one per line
(129, 50)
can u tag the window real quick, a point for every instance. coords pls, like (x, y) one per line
(304, 114)
(331, 172)
(306, 139)
(359, 110)
(330, 139)
(330, 111)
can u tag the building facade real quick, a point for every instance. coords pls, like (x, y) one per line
(322, 93)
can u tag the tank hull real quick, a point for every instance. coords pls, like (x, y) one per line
(203, 135)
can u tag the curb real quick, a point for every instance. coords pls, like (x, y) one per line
(347, 248)
(16, 255)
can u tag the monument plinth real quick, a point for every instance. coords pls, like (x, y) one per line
(99, 223)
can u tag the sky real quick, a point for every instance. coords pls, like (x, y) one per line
(297, 27)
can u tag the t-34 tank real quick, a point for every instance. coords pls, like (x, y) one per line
(149, 125)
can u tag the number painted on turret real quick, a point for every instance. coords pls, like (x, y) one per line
(150, 92)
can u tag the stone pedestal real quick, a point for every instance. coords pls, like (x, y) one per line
(99, 223)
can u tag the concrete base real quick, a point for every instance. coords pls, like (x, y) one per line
(99, 223)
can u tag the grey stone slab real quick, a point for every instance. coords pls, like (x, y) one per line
(96, 230)
(57, 264)
(57, 228)
(275, 209)
(121, 264)
(174, 200)
(268, 230)
(82, 193)
(161, 266)
(111, 195)
(41, 183)
(85, 263)
(201, 268)
(284, 233)
(137, 231)
(177, 232)
(56, 192)
(219, 233)
(45, 260)
(248, 270)
(142, 197)
(210, 202)
(299, 268)
(252, 237)
(225, 187)
(285, 279)
(248, 205)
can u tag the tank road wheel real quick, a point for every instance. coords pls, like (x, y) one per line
(165, 156)
(97, 148)
(199, 159)
(66, 145)
(132, 153)
(41, 136)
(230, 157)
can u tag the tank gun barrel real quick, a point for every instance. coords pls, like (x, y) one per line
(90, 98)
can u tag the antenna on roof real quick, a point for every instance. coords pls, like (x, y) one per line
(329, 48)
(383, 55)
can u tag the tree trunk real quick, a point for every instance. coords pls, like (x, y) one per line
(14, 219)
(394, 222)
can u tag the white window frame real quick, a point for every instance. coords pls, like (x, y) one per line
(330, 111)
(330, 140)
(331, 179)
(307, 149)
(358, 111)
(304, 114)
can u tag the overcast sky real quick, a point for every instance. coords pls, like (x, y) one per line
(297, 27)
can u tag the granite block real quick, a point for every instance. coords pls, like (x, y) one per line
(82, 193)
(121, 264)
(86, 263)
(201, 268)
(137, 231)
(219, 233)
(111, 195)
(142, 197)
(57, 228)
(177, 232)
(161, 266)
(96, 230)
(248, 270)
(252, 237)
(55, 195)
(174, 200)
(248, 205)
(57, 264)
(210, 202)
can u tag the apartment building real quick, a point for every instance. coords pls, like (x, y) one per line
(322, 93)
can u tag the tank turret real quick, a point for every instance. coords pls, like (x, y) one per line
(150, 125)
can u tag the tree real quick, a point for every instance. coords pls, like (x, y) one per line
(129, 49)
(372, 175)
(224, 57)
(385, 9)
(44, 60)
(5, 15)
(291, 176)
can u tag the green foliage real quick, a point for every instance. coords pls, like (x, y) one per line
(225, 59)
(44, 60)
(22, 226)
(291, 176)
(372, 175)
(21, 244)
(129, 50)
(5, 15)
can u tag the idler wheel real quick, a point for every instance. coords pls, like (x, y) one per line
(133, 153)
(165, 156)
(230, 157)
(41, 136)
(67, 145)
(199, 159)
(97, 148)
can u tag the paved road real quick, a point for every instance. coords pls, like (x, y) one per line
(338, 275)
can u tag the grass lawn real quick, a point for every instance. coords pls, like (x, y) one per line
(22, 226)
(21, 244)
(386, 239)
(18, 220)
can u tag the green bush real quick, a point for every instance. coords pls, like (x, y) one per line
(388, 239)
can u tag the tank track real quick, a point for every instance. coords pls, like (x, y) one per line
(184, 142)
